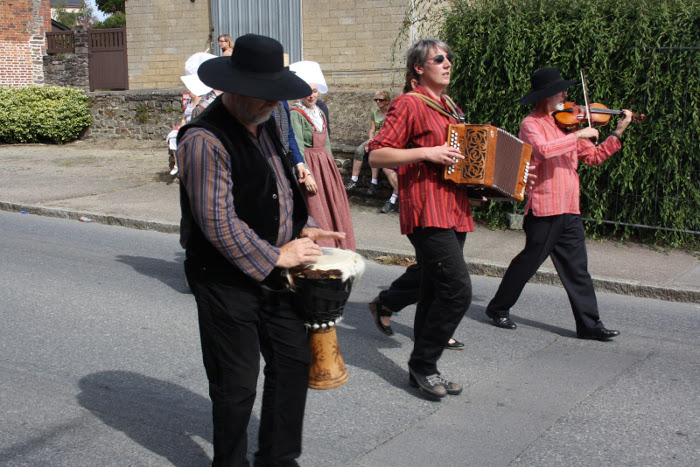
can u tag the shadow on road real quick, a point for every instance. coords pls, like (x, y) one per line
(170, 273)
(160, 416)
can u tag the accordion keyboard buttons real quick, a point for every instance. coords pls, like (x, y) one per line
(455, 144)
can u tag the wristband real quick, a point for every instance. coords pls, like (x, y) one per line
(616, 135)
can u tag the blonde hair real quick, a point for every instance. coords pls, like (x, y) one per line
(385, 95)
(228, 39)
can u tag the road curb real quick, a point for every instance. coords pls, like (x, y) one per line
(62, 213)
(476, 267)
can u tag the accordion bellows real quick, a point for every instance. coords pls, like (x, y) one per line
(495, 162)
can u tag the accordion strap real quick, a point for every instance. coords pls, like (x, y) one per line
(453, 111)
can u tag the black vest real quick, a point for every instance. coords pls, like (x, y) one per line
(255, 196)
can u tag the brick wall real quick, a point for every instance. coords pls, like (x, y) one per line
(161, 35)
(23, 41)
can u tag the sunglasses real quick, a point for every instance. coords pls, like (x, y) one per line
(379, 100)
(223, 40)
(441, 58)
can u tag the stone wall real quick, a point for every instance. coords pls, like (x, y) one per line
(23, 30)
(70, 69)
(160, 36)
(139, 115)
(151, 114)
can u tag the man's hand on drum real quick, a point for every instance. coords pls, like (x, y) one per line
(296, 252)
(315, 234)
(443, 155)
(304, 249)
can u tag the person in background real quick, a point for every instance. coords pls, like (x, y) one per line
(382, 99)
(325, 195)
(244, 221)
(289, 142)
(195, 89)
(553, 225)
(226, 44)
(324, 108)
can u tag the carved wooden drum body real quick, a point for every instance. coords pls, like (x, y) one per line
(324, 288)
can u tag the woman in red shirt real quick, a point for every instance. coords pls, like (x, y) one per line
(434, 215)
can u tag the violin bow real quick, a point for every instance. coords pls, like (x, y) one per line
(585, 95)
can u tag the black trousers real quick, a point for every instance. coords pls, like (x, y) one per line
(561, 237)
(445, 294)
(237, 322)
(404, 291)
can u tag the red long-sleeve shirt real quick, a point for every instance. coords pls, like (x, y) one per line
(426, 200)
(555, 156)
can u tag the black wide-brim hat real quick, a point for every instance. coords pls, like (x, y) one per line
(545, 83)
(254, 69)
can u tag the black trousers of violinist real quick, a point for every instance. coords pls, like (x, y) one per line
(562, 238)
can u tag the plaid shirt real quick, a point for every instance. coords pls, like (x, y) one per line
(426, 200)
(555, 156)
(205, 172)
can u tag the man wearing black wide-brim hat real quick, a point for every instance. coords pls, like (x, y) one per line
(243, 222)
(553, 225)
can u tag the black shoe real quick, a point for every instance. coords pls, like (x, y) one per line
(378, 310)
(456, 345)
(431, 385)
(598, 334)
(372, 190)
(505, 323)
(350, 185)
(388, 207)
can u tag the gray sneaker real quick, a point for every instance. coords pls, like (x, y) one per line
(350, 185)
(452, 389)
(430, 385)
(372, 190)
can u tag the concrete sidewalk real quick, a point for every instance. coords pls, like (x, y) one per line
(127, 183)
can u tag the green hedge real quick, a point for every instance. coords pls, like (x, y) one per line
(638, 55)
(42, 114)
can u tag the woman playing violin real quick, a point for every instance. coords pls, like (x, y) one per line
(553, 225)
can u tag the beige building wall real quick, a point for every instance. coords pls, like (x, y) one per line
(161, 35)
(353, 41)
(360, 44)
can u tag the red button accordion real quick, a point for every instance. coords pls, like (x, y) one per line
(495, 162)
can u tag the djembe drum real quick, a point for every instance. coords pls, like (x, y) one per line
(324, 288)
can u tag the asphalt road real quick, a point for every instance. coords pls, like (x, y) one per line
(100, 365)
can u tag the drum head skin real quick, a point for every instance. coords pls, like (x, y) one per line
(334, 263)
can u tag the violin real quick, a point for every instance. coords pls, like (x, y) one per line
(573, 115)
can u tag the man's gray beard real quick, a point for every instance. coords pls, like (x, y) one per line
(247, 118)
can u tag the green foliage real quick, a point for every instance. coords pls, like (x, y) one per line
(143, 114)
(110, 6)
(48, 114)
(117, 20)
(83, 16)
(637, 55)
